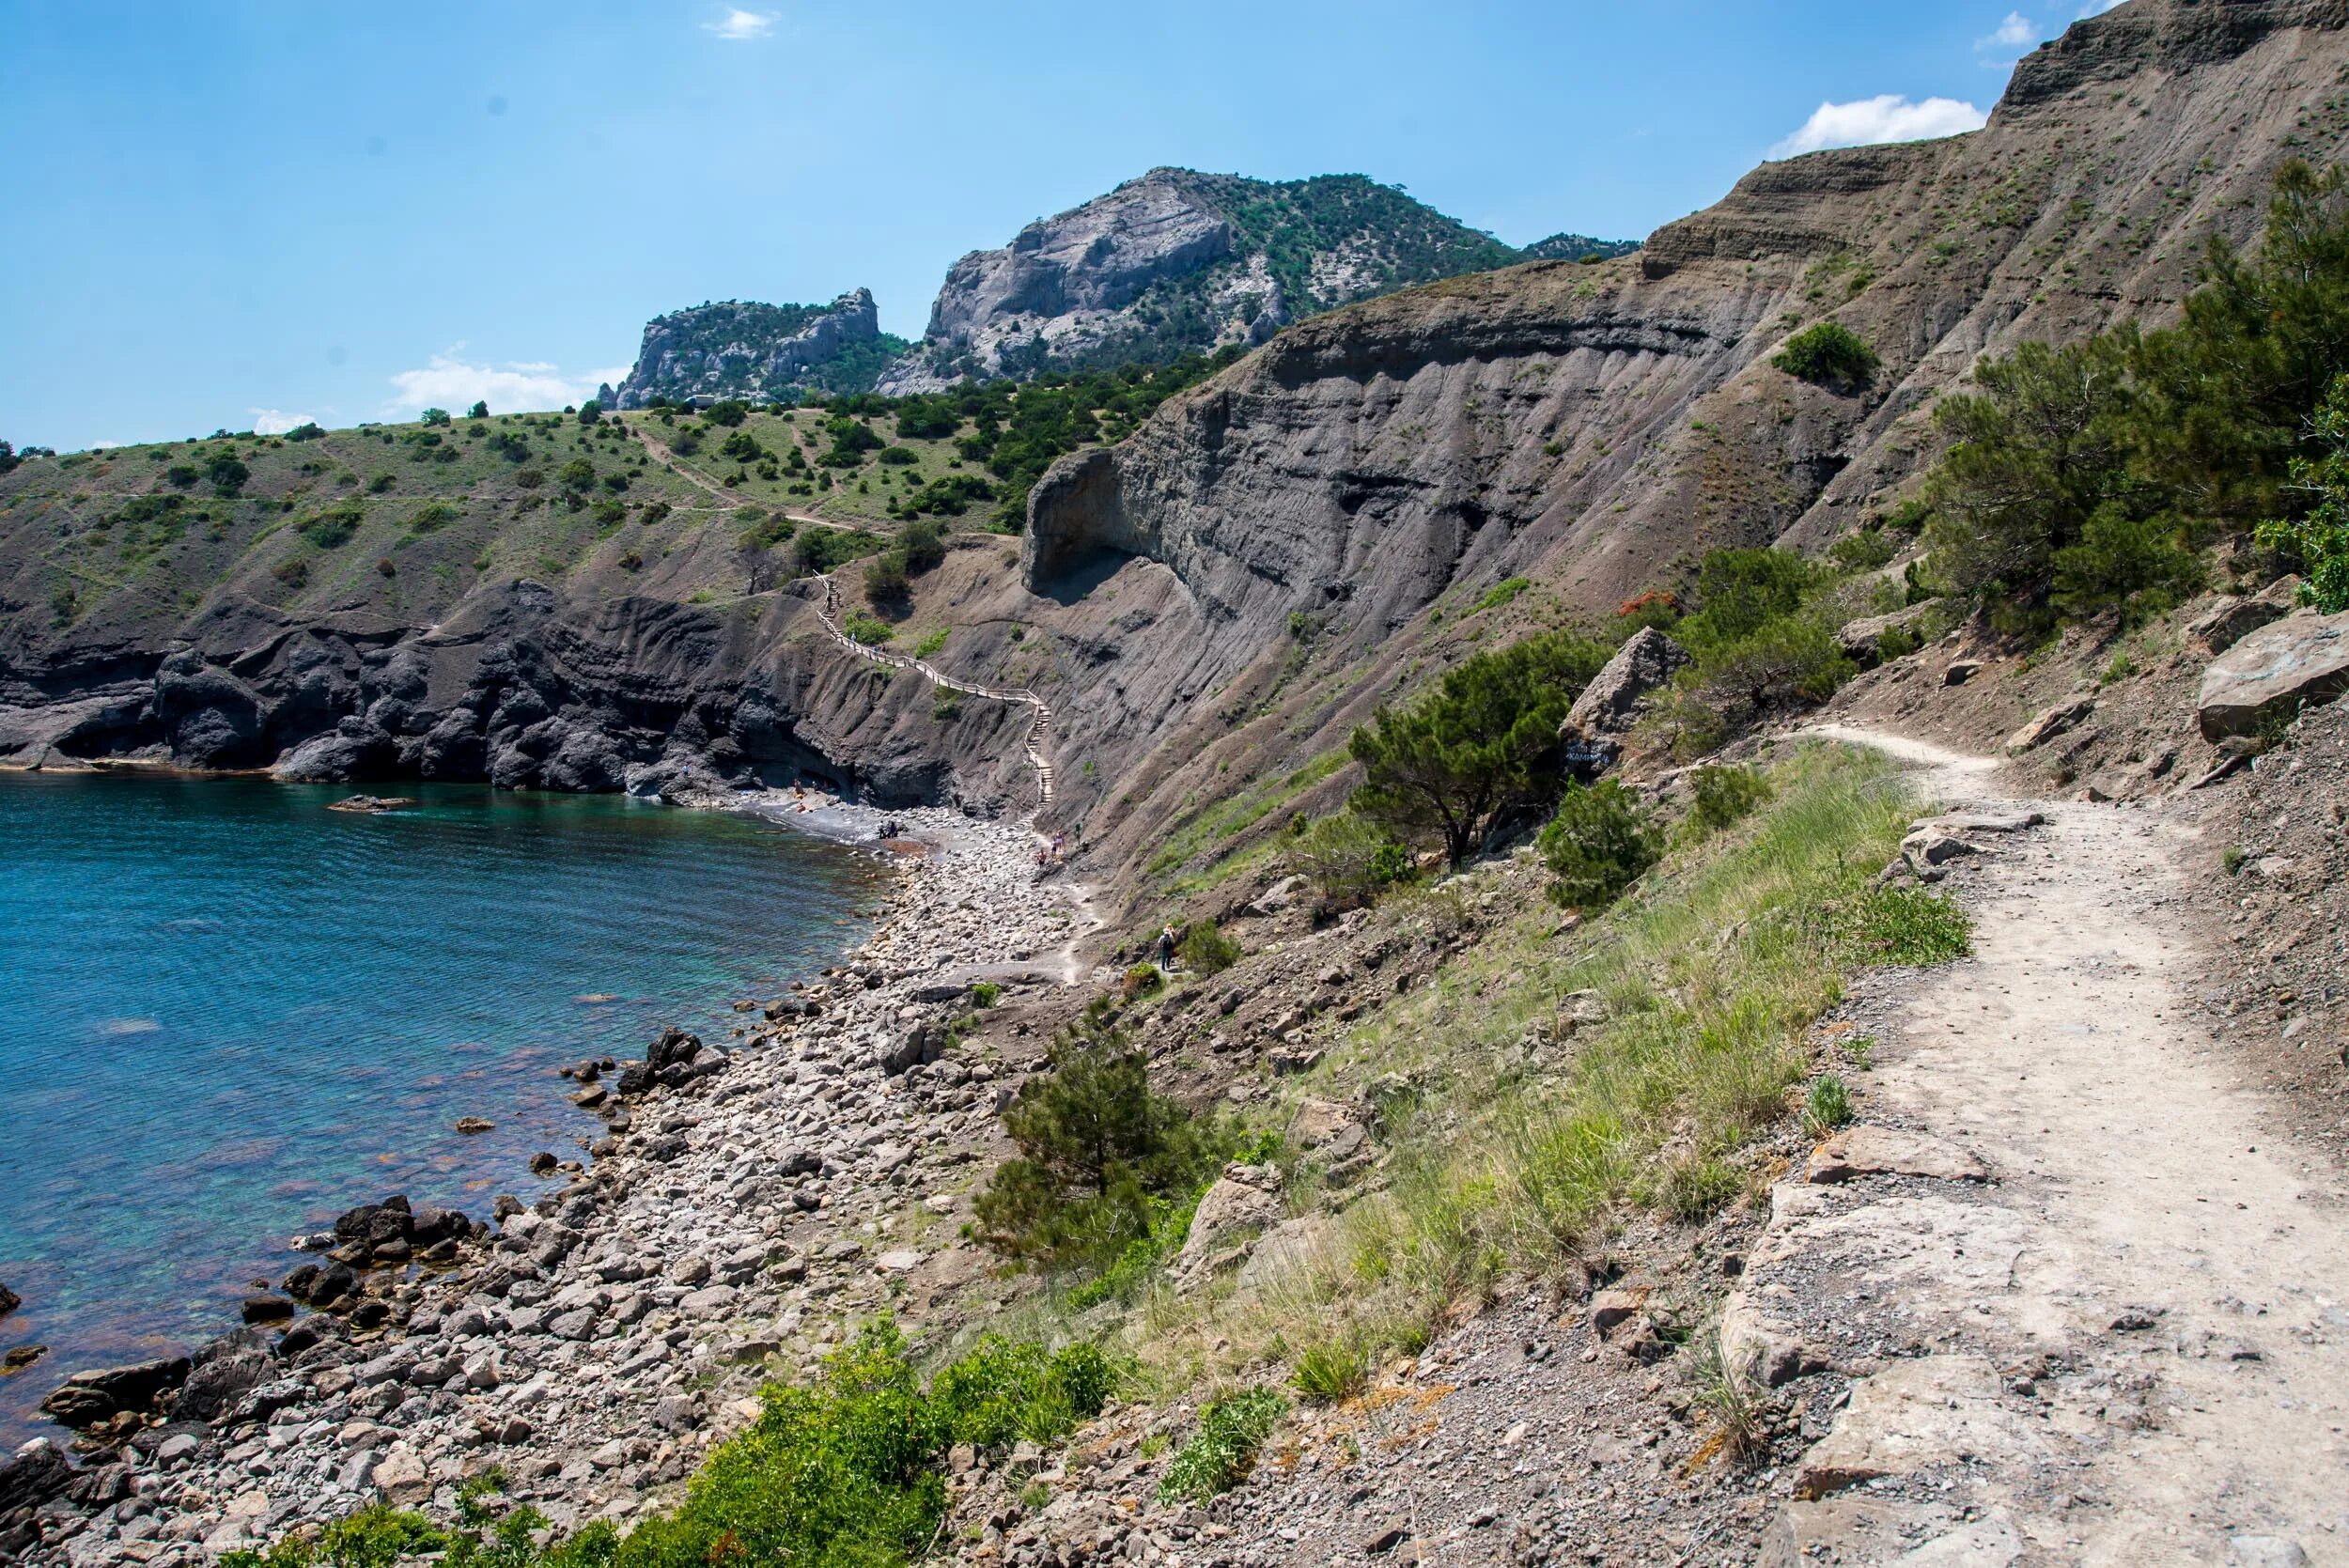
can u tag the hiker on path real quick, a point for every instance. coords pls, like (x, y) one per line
(1166, 947)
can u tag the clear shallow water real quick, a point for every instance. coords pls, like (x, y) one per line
(226, 1014)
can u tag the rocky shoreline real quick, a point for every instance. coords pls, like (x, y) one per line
(748, 1198)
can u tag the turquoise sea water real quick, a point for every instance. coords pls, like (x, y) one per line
(226, 1014)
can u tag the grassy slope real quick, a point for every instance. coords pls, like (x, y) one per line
(428, 513)
(1714, 969)
(844, 501)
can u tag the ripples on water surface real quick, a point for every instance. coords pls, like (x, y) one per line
(227, 1013)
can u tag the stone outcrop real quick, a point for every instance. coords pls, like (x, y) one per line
(2272, 673)
(741, 349)
(518, 683)
(1609, 704)
(1178, 261)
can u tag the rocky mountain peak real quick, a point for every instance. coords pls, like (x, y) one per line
(760, 352)
(1178, 261)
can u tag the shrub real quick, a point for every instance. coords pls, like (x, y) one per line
(931, 642)
(1207, 949)
(985, 994)
(332, 528)
(1332, 1370)
(729, 414)
(1503, 592)
(1098, 1150)
(1725, 796)
(1597, 846)
(433, 416)
(1481, 747)
(577, 475)
(1350, 859)
(922, 545)
(885, 578)
(1830, 354)
(867, 630)
(1140, 981)
(590, 412)
(226, 474)
(2321, 539)
(1827, 1107)
(294, 571)
(1224, 1449)
(432, 515)
(2139, 564)
(898, 457)
(842, 1474)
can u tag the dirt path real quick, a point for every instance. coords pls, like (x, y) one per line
(2129, 1345)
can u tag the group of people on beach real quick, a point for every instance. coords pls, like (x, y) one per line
(1053, 854)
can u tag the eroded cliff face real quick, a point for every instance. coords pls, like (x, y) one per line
(523, 685)
(1292, 523)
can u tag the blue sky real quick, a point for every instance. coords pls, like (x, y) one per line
(239, 215)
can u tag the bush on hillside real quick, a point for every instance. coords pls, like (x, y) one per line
(1205, 950)
(1484, 746)
(1830, 354)
(2321, 539)
(1726, 796)
(1597, 846)
(1349, 860)
(1099, 1156)
(2081, 477)
(842, 1474)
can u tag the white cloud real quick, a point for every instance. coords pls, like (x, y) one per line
(2017, 32)
(741, 26)
(515, 387)
(1886, 118)
(274, 421)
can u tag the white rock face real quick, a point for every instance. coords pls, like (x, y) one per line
(1065, 279)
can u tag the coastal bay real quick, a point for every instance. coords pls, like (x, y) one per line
(230, 1013)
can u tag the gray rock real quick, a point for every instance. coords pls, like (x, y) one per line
(2048, 722)
(743, 349)
(1864, 639)
(2231, 619)
(1612, 701)
(2272, 671)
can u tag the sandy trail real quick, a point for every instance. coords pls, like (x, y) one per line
(2176, 1254)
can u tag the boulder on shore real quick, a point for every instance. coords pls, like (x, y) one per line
(2272, 673)
(89, 1398)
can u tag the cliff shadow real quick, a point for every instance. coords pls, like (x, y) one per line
(1075, 577)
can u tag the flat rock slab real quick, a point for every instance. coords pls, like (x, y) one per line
(1934, 1411)
(2301, 659)
(1855, 1529)
(1869, 1150)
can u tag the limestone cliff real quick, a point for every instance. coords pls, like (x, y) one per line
(759, 352)
(1178, 261)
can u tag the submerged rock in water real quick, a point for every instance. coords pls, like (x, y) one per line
(372, 803)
